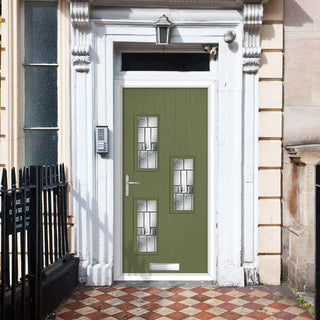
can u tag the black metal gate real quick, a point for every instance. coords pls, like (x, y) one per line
(34, 241)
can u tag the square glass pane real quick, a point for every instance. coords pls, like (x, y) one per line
(40, 97)
(40, 32)
(41, 147)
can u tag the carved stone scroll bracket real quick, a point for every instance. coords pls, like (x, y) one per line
(252, 17)
(80, 19)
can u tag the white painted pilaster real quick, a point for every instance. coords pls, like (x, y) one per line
(252, 14)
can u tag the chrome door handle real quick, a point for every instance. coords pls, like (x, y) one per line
(128, 184)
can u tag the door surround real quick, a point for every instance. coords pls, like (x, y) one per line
(93, 176)
(118, 153)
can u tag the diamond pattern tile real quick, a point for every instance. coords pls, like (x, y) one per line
(187, 303)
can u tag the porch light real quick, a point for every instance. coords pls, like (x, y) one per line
(163, 26)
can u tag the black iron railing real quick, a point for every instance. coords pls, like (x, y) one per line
(33, 236)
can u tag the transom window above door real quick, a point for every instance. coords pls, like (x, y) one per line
(165, 61)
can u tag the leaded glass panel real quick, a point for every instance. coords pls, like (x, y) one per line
(147, 142)
(183, 184)
(146, 225)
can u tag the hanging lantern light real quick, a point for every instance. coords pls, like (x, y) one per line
(163, 26)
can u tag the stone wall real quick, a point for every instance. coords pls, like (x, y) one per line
(301, 138)
(270, 142)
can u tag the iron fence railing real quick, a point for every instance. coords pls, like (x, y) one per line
(33, 236)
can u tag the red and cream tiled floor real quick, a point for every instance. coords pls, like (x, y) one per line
(200, 302)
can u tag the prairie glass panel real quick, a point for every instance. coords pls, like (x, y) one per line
(147, 225)
(183, 184)
(40, 32)
(147, 142)
(41, 147)
(40, 96)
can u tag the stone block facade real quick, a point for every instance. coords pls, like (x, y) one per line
(301, 151)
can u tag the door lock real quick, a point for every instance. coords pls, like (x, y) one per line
(128, 184)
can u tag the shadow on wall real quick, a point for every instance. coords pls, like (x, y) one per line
(294, 14)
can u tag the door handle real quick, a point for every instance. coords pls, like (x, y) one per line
(128, 184)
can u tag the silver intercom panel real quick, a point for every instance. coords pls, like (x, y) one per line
(102, 139)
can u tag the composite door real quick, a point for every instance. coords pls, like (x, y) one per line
(165, 180)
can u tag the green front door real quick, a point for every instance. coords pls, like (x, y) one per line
(165, 180)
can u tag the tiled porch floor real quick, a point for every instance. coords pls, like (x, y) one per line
(181, 302)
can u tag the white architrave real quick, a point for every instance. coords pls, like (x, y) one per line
(93, 176)
(252, 19)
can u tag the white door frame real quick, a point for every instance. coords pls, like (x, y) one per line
(118, 156)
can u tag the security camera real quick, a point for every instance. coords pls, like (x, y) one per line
(207, 47)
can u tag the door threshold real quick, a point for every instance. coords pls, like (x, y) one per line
(164, 277)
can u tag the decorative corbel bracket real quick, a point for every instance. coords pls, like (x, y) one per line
(80, 19)
(252, 19)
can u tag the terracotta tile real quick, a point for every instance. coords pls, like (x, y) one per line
(202, 306)
(128, 297)
(104, 297)
(122, 316)
(201, 297)
(177, 306)
(70, 315)
(199, 290)
(177, 316)
(152, 306)
(152, 298)
(96, 315)
(253, 306)
(224, 297)
(176, 290)
(125, 306)
(130, 289)
(152, 290)
(228, 306)
(307, 315)
(278, 305)
(284, 315)
(75, 305)
(257, 315)
(151, 316)
(176, 298)
(204, 315)
(231, 315)
(100, 305)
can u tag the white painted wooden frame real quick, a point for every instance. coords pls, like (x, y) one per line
(118, 182)
(94, 178)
